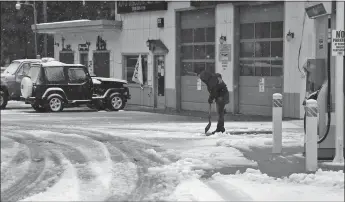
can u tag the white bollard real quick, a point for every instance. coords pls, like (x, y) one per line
(277, 117)
(311, 136)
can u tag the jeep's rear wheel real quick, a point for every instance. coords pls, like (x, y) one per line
(38, 108)
(3, 99)
(116, 103)
(54, 104)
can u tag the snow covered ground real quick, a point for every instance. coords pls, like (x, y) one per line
(194, 167)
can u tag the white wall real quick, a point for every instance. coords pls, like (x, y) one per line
(225, 27)
(111, 38)
(293, 81)
(141, 26)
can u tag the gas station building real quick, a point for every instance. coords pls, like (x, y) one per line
(260, 48)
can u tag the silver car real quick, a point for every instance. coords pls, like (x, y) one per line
(11, 78)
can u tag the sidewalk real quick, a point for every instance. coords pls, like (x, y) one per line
(228, 116)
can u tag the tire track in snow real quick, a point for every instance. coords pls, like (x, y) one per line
(94, 175)
(73, 155)
(134, 150)
(21, 187)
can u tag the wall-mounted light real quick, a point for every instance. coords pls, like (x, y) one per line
(150, 45)
(222, 39)
(290, 36)
(57, 44)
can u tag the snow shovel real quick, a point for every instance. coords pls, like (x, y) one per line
(209, 120)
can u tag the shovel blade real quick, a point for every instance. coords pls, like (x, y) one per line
(208, 126)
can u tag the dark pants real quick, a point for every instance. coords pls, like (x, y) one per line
(221, 102)
(220, 110)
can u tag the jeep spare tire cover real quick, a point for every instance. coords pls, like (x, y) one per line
(26, 87)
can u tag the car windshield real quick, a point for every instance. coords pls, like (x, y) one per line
(12, 68)
(34, 73)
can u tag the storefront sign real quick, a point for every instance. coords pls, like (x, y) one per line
(225, 52)
(338, 42)
(140, 6)
(198, 84)
(84, 46)
(224, 65)
(262, 85)
(206, 3)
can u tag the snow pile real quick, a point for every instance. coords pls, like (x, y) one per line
(321, 186)
(190, 165)
(245, 142)
(169, 176)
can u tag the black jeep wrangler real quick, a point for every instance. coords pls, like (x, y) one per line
(54, 85)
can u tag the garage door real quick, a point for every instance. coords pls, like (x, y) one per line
(261, 57)
(197, 54)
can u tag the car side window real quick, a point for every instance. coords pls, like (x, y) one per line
(24, 70)
(55, 74)
(76, 75)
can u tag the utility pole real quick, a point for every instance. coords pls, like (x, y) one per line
(45, 19)
(339, 91)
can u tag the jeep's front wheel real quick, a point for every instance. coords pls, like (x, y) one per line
(116, 102)
(54, 104)
(3, 99)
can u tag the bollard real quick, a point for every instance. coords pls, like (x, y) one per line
(277, 117)
(311, 136)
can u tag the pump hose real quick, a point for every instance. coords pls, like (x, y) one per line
(328, 100)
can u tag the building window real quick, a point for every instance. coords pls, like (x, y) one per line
(261, 49)
(197, 50)
(130, 62)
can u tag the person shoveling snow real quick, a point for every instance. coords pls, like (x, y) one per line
(218, 92)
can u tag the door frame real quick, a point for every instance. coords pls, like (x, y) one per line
(155, 79)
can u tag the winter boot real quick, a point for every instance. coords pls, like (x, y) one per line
(221, 129)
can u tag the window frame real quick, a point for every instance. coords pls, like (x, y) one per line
(193, 44)
(64, 81)
(69, 77)
(144, 57)
(256, 59)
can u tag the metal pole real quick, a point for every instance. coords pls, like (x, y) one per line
(35, 23)
(45, 18)
(277, 116)
(339, 91)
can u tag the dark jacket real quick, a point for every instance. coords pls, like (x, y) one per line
(215, 86)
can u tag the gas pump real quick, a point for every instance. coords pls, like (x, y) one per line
(320, 74)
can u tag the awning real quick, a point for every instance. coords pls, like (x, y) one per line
(158, 45)
(76, 26)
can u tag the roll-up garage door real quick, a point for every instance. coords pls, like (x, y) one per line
(261, 57)
(197, 54)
